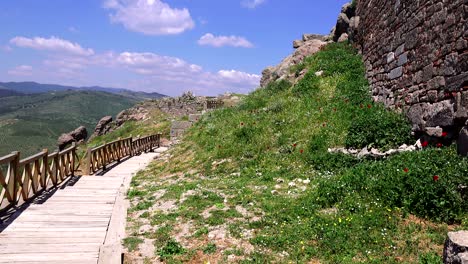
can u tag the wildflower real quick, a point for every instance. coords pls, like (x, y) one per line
(424, 144)
(324, 124)
(369, 106)
(302, 151)
(439, 145)
(406, 170)
(444, 134)
(242, 123)
(435, 177)
(361, 106)
(294, 145)
(334, 109)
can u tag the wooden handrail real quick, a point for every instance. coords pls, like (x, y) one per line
(23, 179)
(98, 158)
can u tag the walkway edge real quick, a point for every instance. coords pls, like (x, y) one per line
(111, 251)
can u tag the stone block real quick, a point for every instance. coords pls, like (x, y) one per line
(194, 117)
(400, 50)
(395, 73)
(390, 57)
(440, 114)
(403, 59)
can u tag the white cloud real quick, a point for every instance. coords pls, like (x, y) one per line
(220, 41)
(251, 4)
(22, 70)
(51, 44)
(144, 71)
(240, 77)
(150, 17)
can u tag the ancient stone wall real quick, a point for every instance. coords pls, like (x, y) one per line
(416, 56)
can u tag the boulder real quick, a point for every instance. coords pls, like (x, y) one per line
(440, 114)
(282, 70)
(456, 248)
(309, 37)
(77, 135)
(297, 43)
(80, 133)
(103, 127)
(342, 26)
(64, 140)
(349, 10)
(343, 37)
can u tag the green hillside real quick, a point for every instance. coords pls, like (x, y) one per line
(256, 184)
(30, 123)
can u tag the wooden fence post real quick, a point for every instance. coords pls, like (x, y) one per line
(73, 159)
(87, 163)
(15, 177)
(44, 169)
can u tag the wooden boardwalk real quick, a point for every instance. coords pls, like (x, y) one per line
(82, 222)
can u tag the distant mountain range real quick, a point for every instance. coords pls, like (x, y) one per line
(24, 88)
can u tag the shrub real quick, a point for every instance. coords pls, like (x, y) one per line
(424, 183)
(171, 248)
(377, 127)
(278, 86)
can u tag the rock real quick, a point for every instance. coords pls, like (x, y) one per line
(64, 140)
(440, 114)
(282, 70)
(456, 248)
(102, 127)
(363, 153)
(78, 135)
(297, 43)
(319, 73)
(343, 37)
(274, 192)
(348, 9)
(308, 37)
(434, 131)
(462, 143)
(267, 76)
(342, 26)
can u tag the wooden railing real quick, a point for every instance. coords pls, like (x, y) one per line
(22, 180)
(99, 158)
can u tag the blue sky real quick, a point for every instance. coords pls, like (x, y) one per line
(167, 46)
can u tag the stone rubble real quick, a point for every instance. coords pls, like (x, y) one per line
(375, 153)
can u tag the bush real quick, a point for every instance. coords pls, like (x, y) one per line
(377, 127)
(278, 86)
(424, 183)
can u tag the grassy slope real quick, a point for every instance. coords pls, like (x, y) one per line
(33, 122)
(245, 171)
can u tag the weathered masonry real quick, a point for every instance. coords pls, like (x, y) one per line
(416, 56)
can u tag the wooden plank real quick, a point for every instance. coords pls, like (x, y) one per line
(41, 233)
(64, 257)
(53, 240)
(49, 248)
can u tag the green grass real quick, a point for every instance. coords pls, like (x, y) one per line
(259, 153)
